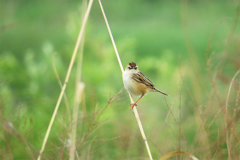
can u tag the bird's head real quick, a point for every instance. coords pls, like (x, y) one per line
(132, 67)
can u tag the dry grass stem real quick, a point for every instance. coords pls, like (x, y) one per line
(78, 97)
(111, 36)
(67, 77)
(180, 99)
(121, 66)
(226, 117)
(210, 39)
(97, 114)
(168, 155)
(60, 84)
(170, 109)
(236, 102)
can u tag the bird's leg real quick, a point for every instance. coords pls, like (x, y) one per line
(135, 103)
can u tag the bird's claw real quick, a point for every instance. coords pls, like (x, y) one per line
(133, 104)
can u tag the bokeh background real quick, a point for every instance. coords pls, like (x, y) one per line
(188, 49)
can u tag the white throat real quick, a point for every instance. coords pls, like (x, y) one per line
(129, 83)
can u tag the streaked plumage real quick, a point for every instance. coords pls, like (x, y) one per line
(136, 83)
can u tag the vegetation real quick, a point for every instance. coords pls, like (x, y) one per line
(188, 49)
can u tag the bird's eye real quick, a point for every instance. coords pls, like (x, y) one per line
(129, 67)
(135, 68)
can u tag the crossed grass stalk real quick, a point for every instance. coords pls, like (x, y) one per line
(80, 88)
(79, 93)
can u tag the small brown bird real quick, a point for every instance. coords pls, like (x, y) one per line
(136, 83)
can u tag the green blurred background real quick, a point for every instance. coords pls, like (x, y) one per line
(168, 40)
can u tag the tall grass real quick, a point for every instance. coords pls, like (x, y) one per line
(79, 90)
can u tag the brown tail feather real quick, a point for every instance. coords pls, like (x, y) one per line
(154, 89)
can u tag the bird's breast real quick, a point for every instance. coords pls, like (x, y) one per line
(132, 86)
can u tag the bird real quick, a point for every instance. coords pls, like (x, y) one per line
(136, 83)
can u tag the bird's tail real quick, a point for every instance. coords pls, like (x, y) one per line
(156, 90)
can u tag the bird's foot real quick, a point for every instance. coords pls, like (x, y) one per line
(133, 104)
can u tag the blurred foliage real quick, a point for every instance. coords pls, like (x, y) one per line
(167, 39)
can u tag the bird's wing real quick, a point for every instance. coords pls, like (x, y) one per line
(140, 78)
